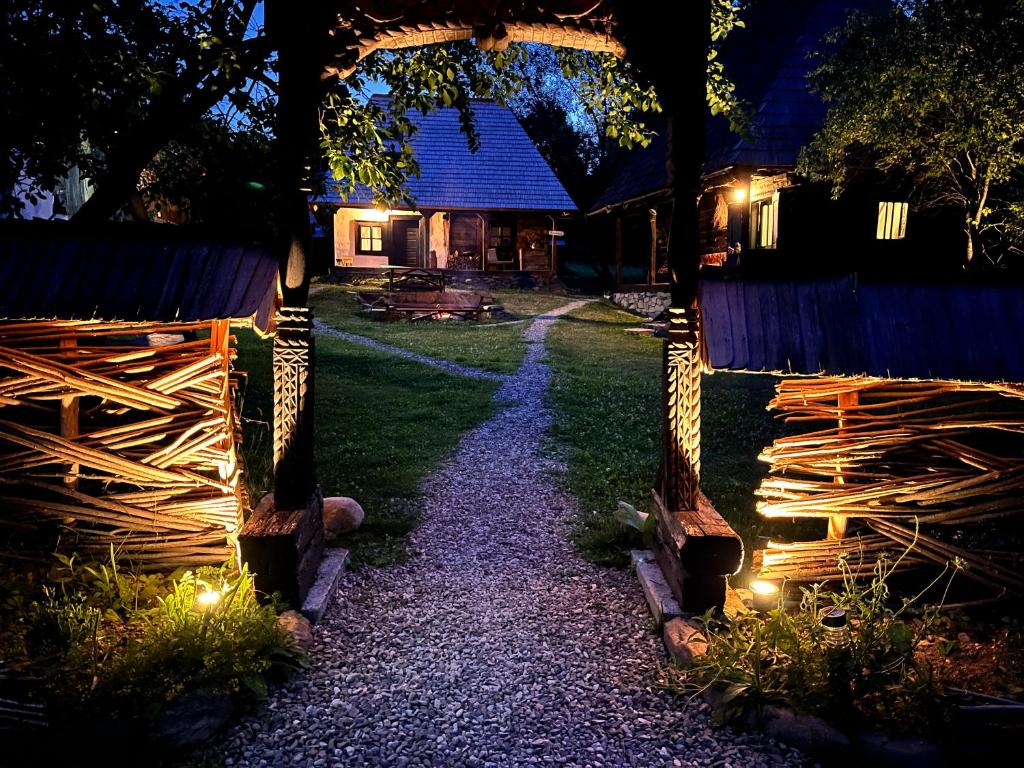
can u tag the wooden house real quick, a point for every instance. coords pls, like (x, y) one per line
(754, 208)
(497, 209)
(118, 421)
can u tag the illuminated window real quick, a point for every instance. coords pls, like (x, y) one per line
(765, 215)
(369, 238)
(892, 221)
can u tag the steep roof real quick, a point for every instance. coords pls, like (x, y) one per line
(788, 113)
(768, 60)
(507, 172)
(131, 273)
(853, 325)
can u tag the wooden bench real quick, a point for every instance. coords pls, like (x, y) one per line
(697, 550)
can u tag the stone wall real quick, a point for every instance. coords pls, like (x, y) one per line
(646, 303)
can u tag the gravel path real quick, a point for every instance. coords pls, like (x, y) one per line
(322, 329)
(495, 645)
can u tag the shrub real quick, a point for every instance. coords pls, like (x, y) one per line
(782, 657)
(111, 647)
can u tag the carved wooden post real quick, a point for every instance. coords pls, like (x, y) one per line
(283, 539)
(294, 477)
(695, 547)
(681, 462)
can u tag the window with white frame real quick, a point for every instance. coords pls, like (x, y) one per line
(765, 216)
(892, 221)
(369, 238)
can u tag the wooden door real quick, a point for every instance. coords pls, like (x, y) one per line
(406, 242)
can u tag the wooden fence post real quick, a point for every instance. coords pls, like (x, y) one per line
(837, 523)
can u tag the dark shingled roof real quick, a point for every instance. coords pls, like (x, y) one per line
(507, 172)
(768, 60)
(132, 273)
(850, 325)
(788, 113)
(642, 172)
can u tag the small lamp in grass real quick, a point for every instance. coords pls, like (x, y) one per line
(207, 599)
(766, 595)
(837, 629)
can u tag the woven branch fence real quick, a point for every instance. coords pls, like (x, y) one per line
(923, 473)
(108, 439)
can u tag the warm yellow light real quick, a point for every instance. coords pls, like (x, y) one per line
(373, 214)
(764, 587)
(739, 194)
(208, 598)
(765, 595)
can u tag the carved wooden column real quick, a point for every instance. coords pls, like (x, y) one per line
(294, 476)
(681, 460)
(694, 546)
(283, 539)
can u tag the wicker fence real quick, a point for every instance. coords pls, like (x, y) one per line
(120, 434)
(926, 473)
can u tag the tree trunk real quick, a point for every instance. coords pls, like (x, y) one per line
(180, 105)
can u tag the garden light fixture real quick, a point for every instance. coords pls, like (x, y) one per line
(766, 595)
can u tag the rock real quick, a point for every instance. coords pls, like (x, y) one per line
(684, 640)
(806, 732)
(341, 515)
(299, 627)
(193, 719)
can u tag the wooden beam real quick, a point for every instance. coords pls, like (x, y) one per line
(652, 275)
(837, 524)
(618, 250)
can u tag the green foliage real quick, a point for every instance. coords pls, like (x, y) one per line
(932, 93)
(783, 657)
(230, 647)
(187, 91)
(111, 647)
(132, 62)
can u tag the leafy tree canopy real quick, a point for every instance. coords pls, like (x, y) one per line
(149, 98)
(932, 92)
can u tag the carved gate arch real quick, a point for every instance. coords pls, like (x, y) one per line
(318, 41)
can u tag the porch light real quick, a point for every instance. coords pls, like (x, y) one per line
(765, 595)
(374, 214)
(739, 194)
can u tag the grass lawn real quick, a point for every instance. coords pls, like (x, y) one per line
(382, 425)
(494, 344)
(606, 395)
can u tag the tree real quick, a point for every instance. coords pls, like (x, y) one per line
(131, 90)
(932, 92)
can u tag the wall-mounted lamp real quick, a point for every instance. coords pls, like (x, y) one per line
(739, 194)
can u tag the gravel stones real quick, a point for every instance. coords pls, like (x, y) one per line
(495, 646)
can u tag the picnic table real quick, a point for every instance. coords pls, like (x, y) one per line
(423, 305)
(414, 280)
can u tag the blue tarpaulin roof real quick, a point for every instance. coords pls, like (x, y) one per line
(507, 172)
(959, 330)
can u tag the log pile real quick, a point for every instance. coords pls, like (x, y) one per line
(920, 469)
(107, 439)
